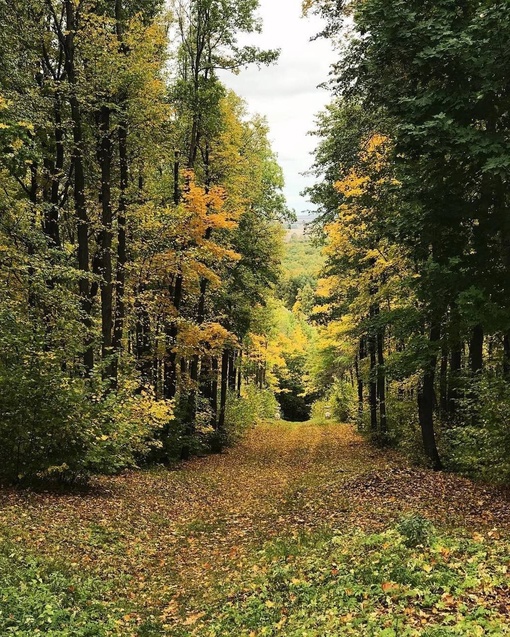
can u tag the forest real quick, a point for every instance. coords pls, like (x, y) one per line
(210, 424)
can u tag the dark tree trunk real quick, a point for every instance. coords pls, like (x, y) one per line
(120, 286)
(232, 370)
(506, 356)
(454, 378)
(143, 344)
(223, 391)
(381, 382)
(361, 356)
(240, 374)
(173, 331)
(172, 335)
(51, 222)
(372, 348)
(80, 203)
(476, 349)
(105, 156)
(214, 393)
(443, 381)
(426, 400)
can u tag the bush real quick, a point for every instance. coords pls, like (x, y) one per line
(54, 423)
(416, 531)
(340, 404)
(479, 445)
(404, 430)
(243, 413)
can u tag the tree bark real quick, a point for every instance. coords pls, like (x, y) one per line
(381, 382)
(476, 349)
(214, 393)
(80, 203)
(443, 382)
(232, 370)
(223, 391)
(426, 400)
(240, 374)
(372, 348)
(506, 356)
(105, 155)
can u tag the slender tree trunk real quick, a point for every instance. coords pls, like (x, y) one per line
(381, 382)
(506, 356)
(51, 222)
(476, 349)
(143, 343)
(120, 285)
(223, 390)
(232, 370)
(176, 294)
(454, 378)
(443, 382)
(361, 356)
(80, 203)
(214, 393)
(240, 374)
(106, 238)
(372, 348)
(426, 400)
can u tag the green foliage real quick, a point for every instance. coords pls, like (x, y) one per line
(479, 444)
(340, 404)
(416, 531)
(403, 424)
(69, 426)
(40, 597)
(403, 582)
(301, 266)
(254, 406)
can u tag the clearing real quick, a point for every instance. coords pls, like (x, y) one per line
(303, 530)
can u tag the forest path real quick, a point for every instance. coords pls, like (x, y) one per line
(168, 538)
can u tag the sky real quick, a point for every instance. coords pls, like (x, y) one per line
(286, 93)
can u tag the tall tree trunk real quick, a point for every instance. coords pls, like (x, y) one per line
(240, 374)
(232, 370)
(51, 221)
(372, 348)
(381, 382)
(454, 378)
(80, 203)
(106, 239)
(361, 356)
(506, 356)
(214, 393)
(223, 390)
(143, 343)
(443, 382)
(476, 349)
(426, 400)
(120, 285)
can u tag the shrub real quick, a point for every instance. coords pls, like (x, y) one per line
(403, 425)
(416, 531)
(55, 423)
(243, 413)
(340, 403)
(479, 444)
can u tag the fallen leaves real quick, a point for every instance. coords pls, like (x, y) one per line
(172, 540)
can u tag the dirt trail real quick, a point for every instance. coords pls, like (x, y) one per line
(173, 533)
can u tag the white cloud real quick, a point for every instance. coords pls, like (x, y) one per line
(287, 93)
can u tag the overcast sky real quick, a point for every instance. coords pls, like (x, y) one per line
(287, 92)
